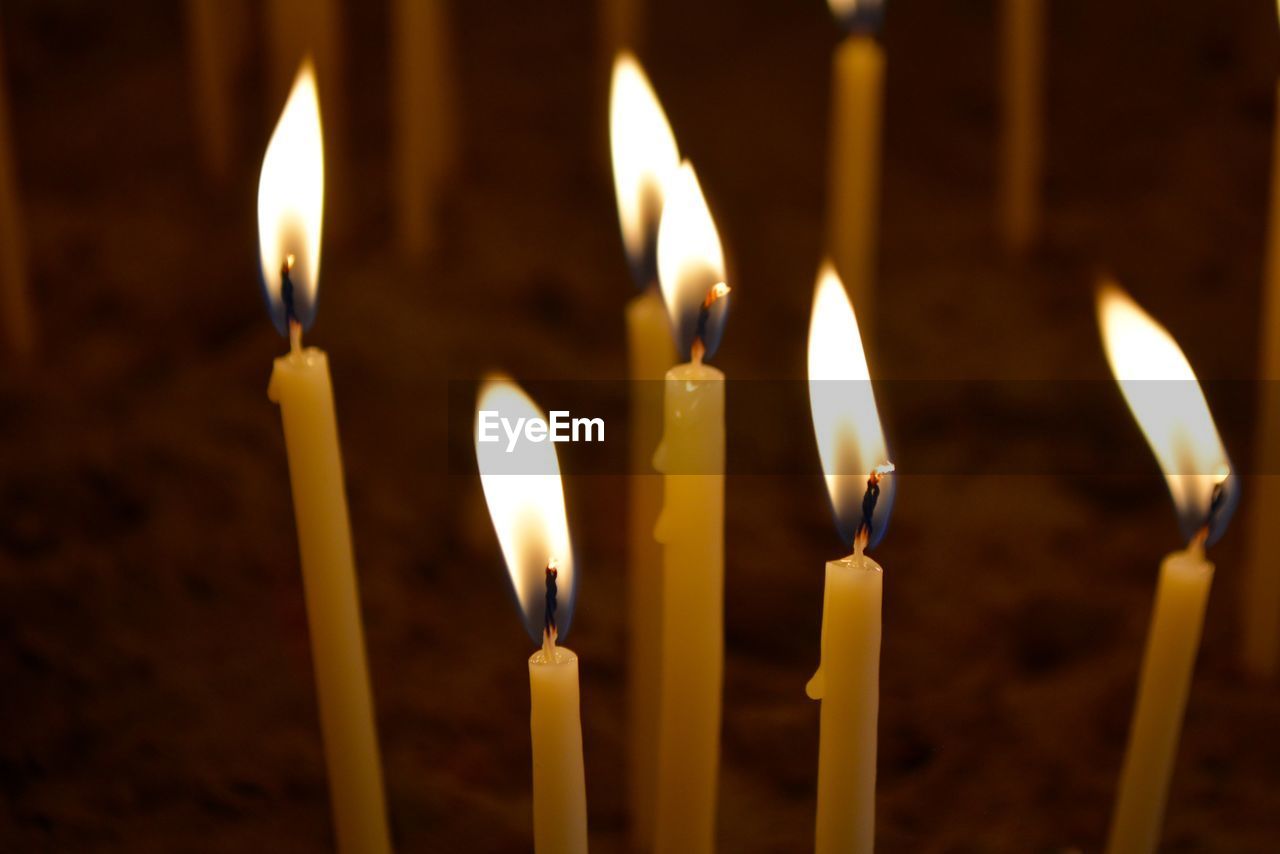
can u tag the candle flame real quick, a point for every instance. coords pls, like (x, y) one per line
(644, 159)
(691, 266)
(846, 421)
(1166, 399)
(858, 16)
(291, 207)
(526, 504)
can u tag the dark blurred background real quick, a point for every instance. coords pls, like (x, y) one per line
(155, 684)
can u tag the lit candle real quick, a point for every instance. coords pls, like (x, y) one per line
(1021, 140)
(1260, 617)
(425, 124)
(526, 503)
(857, 470)
(853, 193)
(644, 159)
(1161, 389)
(16, 312)
(691, 526)
(290, 207)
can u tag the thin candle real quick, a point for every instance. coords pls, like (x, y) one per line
(1161, 389)
(211, 81)
(857, 470)
(290, 206)
(853, 191)
(1021, 127)
(15, 310)
(691, 527)
(525, 496)
(644, 160)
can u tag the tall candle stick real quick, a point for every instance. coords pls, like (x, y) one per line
(853, 194)
(1260, 615)
(526, 503)
(290, 202)
(15, 312)
(425, 124)
(852, 448)
(691, 527)
(644, 159)
(211, 81)
(1161, 389)
(1021, 135)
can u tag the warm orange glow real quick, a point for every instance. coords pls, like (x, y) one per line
(644, 155)
(291, 196)
(845, 419)
(690, 259)
(523, 490)
(1166, 399)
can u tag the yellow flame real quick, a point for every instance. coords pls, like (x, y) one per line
(525, 497)
(690, 260)
(644, 154)
(843, 8)
(845, 419)
(1165, 397)
(291, 191)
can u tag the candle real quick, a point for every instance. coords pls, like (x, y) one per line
(1022, 60)
(854, 172)
(856, 466)
(16, 311)
(1161, 389)
(526, 503)
(426, 148)
(211, 79)
(1260, 615)
(644, 159)
(290, 203)
(691, 526)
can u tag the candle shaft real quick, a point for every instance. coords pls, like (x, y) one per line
(1260, 624)
(300, 384)
(559, 779)
(211, 81)
(1021, 144)
(1165, 679)
(849, 686)
(691, 530)
(15, 312)
(854, 191)
(425, 126)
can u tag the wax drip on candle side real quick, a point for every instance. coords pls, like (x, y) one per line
(549, 631)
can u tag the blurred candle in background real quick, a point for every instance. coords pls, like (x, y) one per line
(1260, 614)
(290, 210)
(212, 41)
(1022, 38)
(691, 527)
(18, 315)
(644, 160)
(858, 475)
(526, 503)
(1165, 397)
(853, 190)
(425, 120)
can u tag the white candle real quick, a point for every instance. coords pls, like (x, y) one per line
(1161, 389)
(526, 503)
(856, 467)
(853, 194)
(290, 203)
(691, 527)
(644, 159)
(15, 311)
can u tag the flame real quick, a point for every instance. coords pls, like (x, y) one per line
(691, 265)
(845, 419)
(644, 159)
(526, 503)
(291, 204)
(860, 16)
(1166, 399)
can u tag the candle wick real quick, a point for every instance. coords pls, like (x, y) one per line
(295, 336)
(716, 292)
(290, 311)
(698, 351)
(549, 630)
